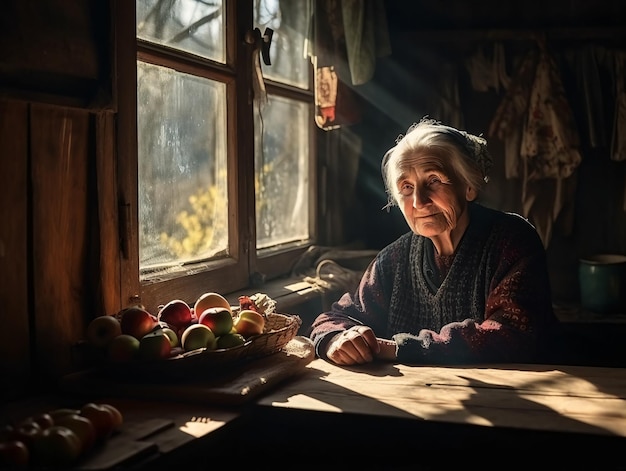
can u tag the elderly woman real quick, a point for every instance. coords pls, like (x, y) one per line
(467, 284)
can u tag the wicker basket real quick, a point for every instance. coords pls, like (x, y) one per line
(278, 331)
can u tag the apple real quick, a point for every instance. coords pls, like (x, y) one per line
(173, 336)
(208, 300)
(123, 349)
(249, 323)
(56, 446)
(27, 431)
(14, 454)
(155, 345)
(102, 418)
(44, 420)
(176, 314)
(57, 414)
(136, 321)
(218, 319)
(118, 418)
(198, 336)
(230, 340)
(82, 427)
(102, 329)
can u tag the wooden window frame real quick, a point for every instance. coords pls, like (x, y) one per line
(245, 266)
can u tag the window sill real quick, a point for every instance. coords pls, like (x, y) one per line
(289, 293)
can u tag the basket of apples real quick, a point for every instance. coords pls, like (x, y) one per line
(182, 341)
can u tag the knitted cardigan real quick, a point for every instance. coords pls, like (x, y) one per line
(493, 305)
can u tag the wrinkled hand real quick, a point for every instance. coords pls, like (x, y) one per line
(357, 345)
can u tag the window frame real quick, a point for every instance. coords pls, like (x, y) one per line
(245, 266)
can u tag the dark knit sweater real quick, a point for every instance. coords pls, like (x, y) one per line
(493, 305)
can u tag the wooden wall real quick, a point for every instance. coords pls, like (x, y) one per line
(55, 87)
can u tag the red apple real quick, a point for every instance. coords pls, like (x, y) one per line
(218, 319)
(102, 329)
(249, 323)
(208, 300)
(123, 349)
(198, 336)
(14, 454)
(82, 427)
(176, 314)
(56, 446)
(118, 418)
(154, 346)
(102, 419)
(136, 321)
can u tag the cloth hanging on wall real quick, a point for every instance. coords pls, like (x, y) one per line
(536, 115)
(618, 142)
(487, 72)
(345, 39)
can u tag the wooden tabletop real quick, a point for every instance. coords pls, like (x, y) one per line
(400, 414)
(568, 399)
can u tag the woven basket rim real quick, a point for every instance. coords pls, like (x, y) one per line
(187, 364)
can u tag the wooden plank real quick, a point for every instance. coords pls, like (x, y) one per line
(60, 228)
(14, 245)
(109, 280)
(56, 51)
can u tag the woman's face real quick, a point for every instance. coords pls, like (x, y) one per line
(432, 199)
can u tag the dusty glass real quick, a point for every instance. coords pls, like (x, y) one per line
(194, 26)
(288, 55)
(282, 180)
(183, 205)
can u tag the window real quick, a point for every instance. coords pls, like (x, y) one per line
(225, 183)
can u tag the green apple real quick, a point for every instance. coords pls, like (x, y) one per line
(102, 330)
(82, 427)
(173, 336)
(230, 340)
(218, 319)
(249, 323)
(155, 346)
(123, 349)
(198, 336)
(56, 446)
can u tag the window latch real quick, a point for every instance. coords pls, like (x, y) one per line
(262, 42)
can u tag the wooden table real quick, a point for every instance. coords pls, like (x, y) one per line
(388, 410)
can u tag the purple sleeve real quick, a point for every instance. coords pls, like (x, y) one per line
(366, 306)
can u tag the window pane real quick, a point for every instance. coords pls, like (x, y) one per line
(282, 172)
(194, 26)
(183, 210)
(290, 21)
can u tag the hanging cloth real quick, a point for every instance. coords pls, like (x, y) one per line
(550, 144)
(536, 123)
(618, 143)
(345, 39)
